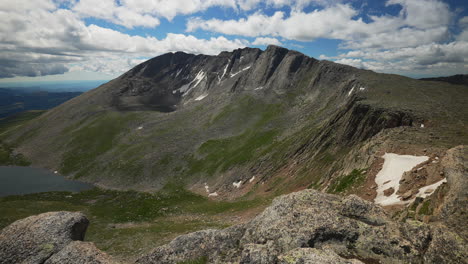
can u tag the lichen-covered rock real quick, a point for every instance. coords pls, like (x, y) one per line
(313, 256)
(78, 252)
(49, 238)
(314, 227)
(36, 238)
(453, 209)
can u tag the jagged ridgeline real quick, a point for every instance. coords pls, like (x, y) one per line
(242, 122)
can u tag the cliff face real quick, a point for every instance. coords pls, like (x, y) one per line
(273, 120)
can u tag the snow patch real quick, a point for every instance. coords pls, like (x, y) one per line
(351, 91)
(362, 89)
(428, 190)
(55, 172)
(213, 194)
(140, 128)
(234, 74)
(224, 72)
(252, 179)
(422, 125)
(390, 175)
(187, 87)
(178, 72)
(237, 184)
(258, 88)
(201, 97)
(207, 188)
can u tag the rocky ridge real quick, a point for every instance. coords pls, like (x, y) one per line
(274, 115)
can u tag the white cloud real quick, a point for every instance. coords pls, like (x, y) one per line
(417, 39)
(30, 46)
(110, 11)
(329, 22)
(266, 41)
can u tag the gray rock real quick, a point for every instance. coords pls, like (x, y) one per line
(312, 256)
(36, 238)
(314, 227)
(454, 204)
(78, 252)
(49, 238)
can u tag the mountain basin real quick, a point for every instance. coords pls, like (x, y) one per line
(26, 180)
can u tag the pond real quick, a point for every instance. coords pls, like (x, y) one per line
(24, 180)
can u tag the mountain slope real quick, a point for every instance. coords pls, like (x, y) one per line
(243, 122)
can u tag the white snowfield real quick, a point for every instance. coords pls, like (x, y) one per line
(390, 175)
(213, 194)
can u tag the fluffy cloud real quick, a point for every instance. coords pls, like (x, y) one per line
(330, 22)
(31, 47)
(417, 39)
(266, 41)
(45, 37)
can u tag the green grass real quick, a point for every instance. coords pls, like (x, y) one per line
(126, 223)
(7, 155)
(219, 155)
(246, 109)
(18, 119)
(90, 141)
(200, 260)
(343, 184)
(9, 158)
(425, 208)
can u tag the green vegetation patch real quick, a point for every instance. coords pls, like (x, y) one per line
(200, 260)
(223, 154)
(9, 158)
(425, 208)
(92, 140)
(18, 119)
(345, 183)
(247, 108)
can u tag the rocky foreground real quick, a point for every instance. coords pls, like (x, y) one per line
(302, 227)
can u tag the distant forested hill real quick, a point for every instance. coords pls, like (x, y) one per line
(17, 100)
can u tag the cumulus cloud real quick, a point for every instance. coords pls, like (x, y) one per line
(30, 46)
(417, 39)
(44, 37)
(266, 41)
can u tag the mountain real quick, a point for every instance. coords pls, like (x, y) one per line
(246, 122)
(461, 79)
(17, 100)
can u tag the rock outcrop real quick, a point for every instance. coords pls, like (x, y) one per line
(453, 208)
(314, 227)
(302, 227)
(53, 237)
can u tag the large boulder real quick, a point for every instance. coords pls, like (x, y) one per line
(36, 238)
(53, 237)
(310, 227)
(78, 252)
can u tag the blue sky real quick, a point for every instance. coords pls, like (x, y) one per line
(59, 40)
